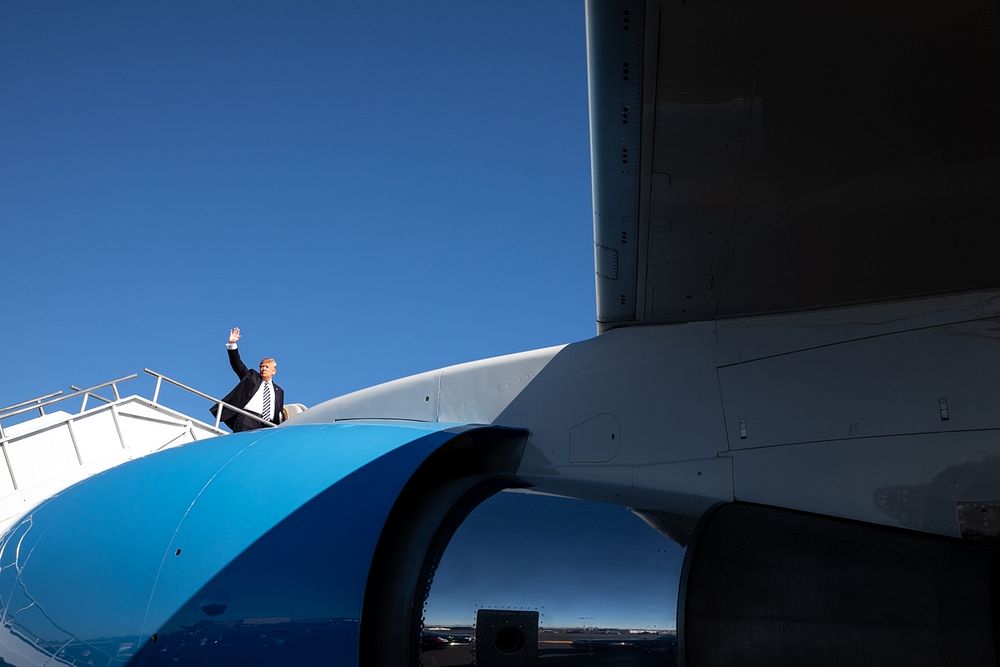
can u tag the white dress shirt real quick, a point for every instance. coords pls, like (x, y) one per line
(256, 402)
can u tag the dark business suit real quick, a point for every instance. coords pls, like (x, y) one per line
(248, 385)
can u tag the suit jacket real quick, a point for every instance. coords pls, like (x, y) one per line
(244, 390)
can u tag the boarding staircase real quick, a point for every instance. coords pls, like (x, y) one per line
(56, 448)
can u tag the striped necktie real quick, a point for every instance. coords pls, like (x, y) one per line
(267, 401)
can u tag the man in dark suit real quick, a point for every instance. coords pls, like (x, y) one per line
(256, 392)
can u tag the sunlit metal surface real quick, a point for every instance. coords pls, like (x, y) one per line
(603, 582)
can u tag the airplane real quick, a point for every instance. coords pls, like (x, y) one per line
(793, 390)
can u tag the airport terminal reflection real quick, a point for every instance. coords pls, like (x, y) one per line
(568, 581)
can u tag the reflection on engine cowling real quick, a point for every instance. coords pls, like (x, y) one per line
(530, 579)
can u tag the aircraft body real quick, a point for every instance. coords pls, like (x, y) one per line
(794, 387)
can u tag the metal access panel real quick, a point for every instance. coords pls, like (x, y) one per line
(980, 519)
(505, 637)
(767, 586)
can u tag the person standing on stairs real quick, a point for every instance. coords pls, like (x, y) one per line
(256, 391)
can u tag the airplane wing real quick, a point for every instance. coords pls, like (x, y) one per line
(753, 158)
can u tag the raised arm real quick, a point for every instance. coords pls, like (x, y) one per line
(234, 353)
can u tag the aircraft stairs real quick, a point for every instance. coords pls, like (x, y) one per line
(57, 448)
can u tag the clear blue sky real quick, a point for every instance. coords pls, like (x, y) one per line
(369, 190)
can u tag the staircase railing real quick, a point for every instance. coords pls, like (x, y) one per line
(220, 404)
(37, 399)
(52, 399)
(59, 397)
(41, 402)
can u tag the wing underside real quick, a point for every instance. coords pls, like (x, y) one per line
(769, 157)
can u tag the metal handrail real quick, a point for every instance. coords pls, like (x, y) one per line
(37, 399)
(160, 377)
(57, 397)
(102, 399)
(82, 392)
(52, 399)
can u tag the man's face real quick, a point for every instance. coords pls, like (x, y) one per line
(268, 368)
